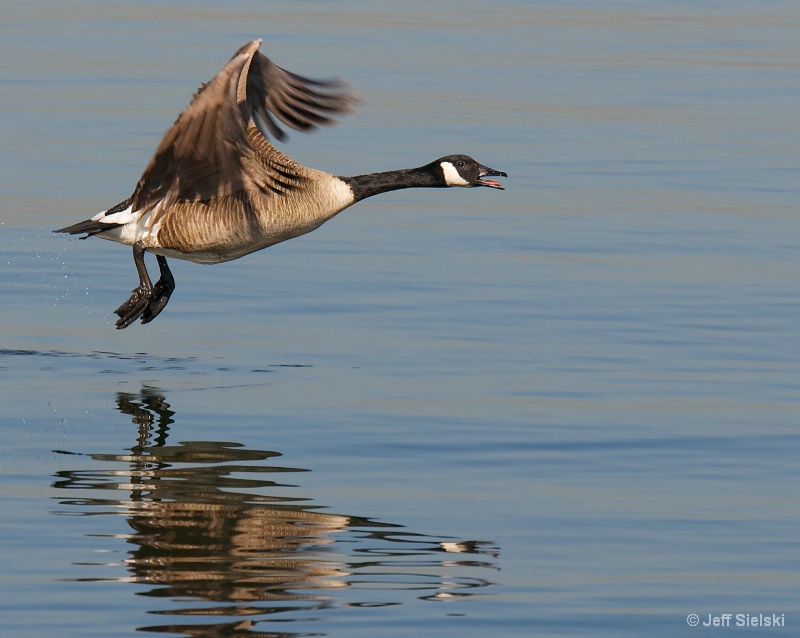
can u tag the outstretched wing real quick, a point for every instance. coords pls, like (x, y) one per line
(208, 152)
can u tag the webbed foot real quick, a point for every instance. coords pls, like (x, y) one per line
(132, 309)
(161, 292)
(146, 301)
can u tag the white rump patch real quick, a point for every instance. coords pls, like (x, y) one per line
(451, 175)
(121, 217)
(124, 234)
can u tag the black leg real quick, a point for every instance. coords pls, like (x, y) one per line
(141, 296)
(161, 292)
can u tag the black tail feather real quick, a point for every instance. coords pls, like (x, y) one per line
(90, 227)
(93, 227)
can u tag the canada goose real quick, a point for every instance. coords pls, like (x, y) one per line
(217, 189)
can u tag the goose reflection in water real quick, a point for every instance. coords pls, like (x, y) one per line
(210, 525)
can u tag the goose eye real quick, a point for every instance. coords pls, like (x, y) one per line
(460, 163)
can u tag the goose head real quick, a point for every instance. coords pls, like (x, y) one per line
(462, 170)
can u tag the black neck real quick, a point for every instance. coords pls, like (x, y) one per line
(376, 183)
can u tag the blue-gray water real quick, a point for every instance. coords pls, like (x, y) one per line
(567, 409)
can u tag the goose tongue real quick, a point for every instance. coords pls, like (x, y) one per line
(491, 183)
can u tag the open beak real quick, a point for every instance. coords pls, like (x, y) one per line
(485, 171)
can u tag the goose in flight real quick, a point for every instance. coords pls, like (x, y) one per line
(217, 189)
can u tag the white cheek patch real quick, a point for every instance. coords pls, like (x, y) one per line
(451, 176)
